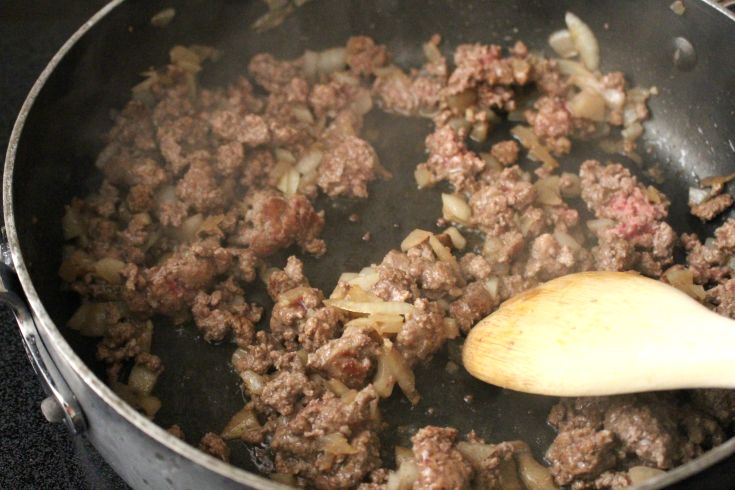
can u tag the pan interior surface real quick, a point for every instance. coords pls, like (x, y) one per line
(690, 136)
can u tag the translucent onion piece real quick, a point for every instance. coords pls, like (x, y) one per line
(415, 238)
(163, 18)
(289, 183)
(536, 150)
(615, 99)
(390, 307)
(588, 104)
(475, 452)
(431, 52)
(253, 382)
(479, 131)
(596, 225)
(632, 132)
(348, 276)
(566, 240)
(683, 280)
(242, 422)
(404, 478)
(90, 319)
(572, 185)
(584, 40)
(331, 60)
(423, 177)
(491, 162)
(721, 179)
(336, 444)
(458, 241)
(699, 196)
(534, 475)
(180, 54)
(450, 328)
(547, 191)
(284, 479)
(403, 454)
(311, 62)
(639, 474)
(561, 42)
(150, 405)
(492, 284)
(459, 123)
(678, 7)
(462, 101)
(72, 223)
(455, 208)
(492, 249)
(109, 270)
(337, 387)
(445, 255)
(365, 282)
(302, 114)
(188, 230)
(142, 380)
(393, 368)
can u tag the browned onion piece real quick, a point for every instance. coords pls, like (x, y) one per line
(241, 422)
(720, 179)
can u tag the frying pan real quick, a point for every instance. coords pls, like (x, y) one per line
(57, 137)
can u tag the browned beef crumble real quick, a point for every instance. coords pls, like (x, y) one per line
(200, 191)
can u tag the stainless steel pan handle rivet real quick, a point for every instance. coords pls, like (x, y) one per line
(61, 403)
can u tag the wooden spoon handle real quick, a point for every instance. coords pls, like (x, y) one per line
(602, 333)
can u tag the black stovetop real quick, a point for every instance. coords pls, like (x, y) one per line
(35, 454)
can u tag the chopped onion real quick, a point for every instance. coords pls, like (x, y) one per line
(475, 451)
(150, 405)
(479, 131)
(403, 454)
(289, 182)
(331, 60)
(561, 42)
(91, 319)
(142, 380)
(588, 104)
(458, 241)
(678, 7)
(242, 422)
(547, 191)
(632, 132)
(415, 238)
(596, 225)
(566, 240)
(423, 177)
(492, 284)
(431, 52)
(492, 248)
(109, 270)
(253, 382)
(462, 101)
(284, 479)
(536, 150)
(491, 162)
(164, 17)
(72, 223)
(188, 230)
(311, 65)
(459, 123)
(336, 444)
(365, 282)
(455, 208)
(683, 280)
(348, 276)
(533, 474)
(639, 474)
(445, 255)
(404, 478)
(302, 114)
(390, 307)
(720, 179)
(362, 104)
(337, 387)
(615, 99)
(450, 328)
(392, 368)
(584, 40)
(180, 54)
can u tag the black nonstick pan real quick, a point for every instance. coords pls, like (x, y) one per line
(51, 157)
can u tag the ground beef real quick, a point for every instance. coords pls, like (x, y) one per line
(506, 152)
(287, 391)
(346, 169)
(292, 309)
(363, 56)
(213, 445)
(449, 158)
(423, 333)
(476, 302)
(349, 359)
(225, 311)
(272, 74)
(299, 447)
(708, 210)
(496, 203)
(582, 453)
(441, 467)
(273, 222)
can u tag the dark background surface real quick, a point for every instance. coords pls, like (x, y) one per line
(33, 453)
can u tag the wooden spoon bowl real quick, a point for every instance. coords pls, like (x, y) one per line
(602, 333)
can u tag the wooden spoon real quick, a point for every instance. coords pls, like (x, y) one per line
(602, 333)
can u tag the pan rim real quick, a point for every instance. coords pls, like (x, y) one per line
(50, 331)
